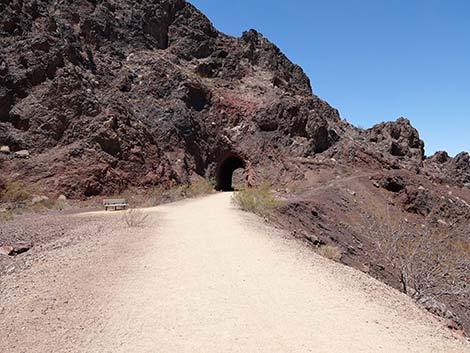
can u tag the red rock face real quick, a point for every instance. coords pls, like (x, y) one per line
(85, 86)
(110, 94)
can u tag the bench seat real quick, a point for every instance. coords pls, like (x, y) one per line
(115, 204)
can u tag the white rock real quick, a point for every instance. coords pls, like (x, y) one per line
(38, 199)
(22, 154)
(4, 149)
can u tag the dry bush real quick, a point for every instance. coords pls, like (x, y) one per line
(159, 194)
(60, 205)
(429, 262)
(135, 218)
(198, 188)
(6, 216)
(259, 200)
(48, 204)
(330, 252)
(12, 191)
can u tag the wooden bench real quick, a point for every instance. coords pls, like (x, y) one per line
(115, 204)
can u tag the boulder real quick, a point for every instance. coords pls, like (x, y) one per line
(15, 249)
(393, 183)
(420, 201)
(5, 149)
(22, 154)
(6, 250)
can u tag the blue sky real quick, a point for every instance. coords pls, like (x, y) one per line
(374, 60)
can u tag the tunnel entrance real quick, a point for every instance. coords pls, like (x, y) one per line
(225, 172)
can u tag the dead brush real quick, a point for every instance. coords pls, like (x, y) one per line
(429, 262)
(135, 218)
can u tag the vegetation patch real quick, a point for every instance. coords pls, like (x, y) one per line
(429, 262)
(135, 218)
(330, 252)
(13, 191)
(260, 199)
(198, 188)
(5, 216)
(160, 194)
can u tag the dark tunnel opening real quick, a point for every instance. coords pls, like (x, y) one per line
(225, 172)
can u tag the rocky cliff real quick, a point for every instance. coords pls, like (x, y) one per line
(109, 94)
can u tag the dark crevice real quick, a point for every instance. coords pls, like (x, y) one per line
(196, 98)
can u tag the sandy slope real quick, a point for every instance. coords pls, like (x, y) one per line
(205, 277)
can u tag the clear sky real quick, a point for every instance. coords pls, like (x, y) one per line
(374, 60)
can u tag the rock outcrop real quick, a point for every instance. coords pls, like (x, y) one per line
(115, 94)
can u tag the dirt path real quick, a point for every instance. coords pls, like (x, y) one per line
(205, 277)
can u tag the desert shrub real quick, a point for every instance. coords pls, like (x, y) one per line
(3, 183)
(48, 204)
(428, 261)
(330, 252)
(156, 195)
(60, 204)
(260, 200)
(6, 216)
(199, 187)
(159, 195)
(13, 191)
(135, 218)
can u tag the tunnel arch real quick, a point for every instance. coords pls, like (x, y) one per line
(225, 172)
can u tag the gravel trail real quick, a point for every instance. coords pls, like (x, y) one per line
(206, 277)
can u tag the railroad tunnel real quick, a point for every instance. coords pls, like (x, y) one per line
(225, 172)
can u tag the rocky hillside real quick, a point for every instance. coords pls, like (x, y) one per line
(109, 94)
(99, 96)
